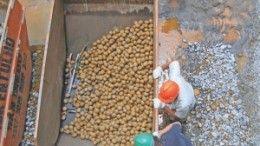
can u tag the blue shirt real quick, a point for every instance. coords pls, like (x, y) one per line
(174, 137)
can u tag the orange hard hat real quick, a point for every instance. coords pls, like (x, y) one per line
(169, 91)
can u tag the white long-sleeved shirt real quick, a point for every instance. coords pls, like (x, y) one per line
(186, 100)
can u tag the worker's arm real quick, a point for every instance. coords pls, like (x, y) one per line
(167, 128)
(177, 114)
(170, 111)
(172, 114)
(166, 66)
(174, 69)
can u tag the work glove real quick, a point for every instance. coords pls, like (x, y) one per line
(157, 134)
(157, 72)
(158, 104)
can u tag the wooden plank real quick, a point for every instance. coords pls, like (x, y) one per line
(155, 63)
(51, 86)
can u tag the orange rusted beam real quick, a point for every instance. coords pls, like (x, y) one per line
(15, 75)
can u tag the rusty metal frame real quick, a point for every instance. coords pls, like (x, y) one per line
(20, 69)
(9, 7)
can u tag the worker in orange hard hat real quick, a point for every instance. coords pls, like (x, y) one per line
(169, 91)
(176, 95)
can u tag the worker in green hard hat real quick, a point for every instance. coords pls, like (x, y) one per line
(169, 136)
(144, 139)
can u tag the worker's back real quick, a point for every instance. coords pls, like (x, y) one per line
(186, 99)
(174, 137)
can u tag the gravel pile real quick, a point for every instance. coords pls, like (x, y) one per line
(251, 76)
(219, 117)
(28, 139)
(28, 136)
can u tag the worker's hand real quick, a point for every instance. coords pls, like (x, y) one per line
(157, 134)
(158, 104)
(170, 111)
(157, 72)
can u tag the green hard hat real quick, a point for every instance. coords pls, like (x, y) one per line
(144, 139)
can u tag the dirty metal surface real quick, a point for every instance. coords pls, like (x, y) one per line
(84, 29)
(110, 1)
(48, 113)
(95, 25)
(107, 7)
(37, 17)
